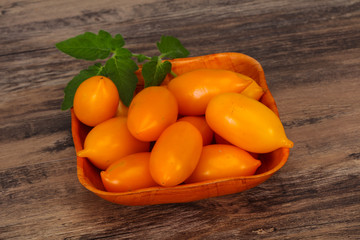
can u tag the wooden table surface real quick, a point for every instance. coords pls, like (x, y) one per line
(310, 52)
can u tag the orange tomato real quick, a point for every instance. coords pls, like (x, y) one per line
(122, 110)
(246, 123)
(128, 173)
(109, 141)
(193, 90)
(253, 90)
(175, 154)
(200, 123)
(96, 100)
(222, 161)
(150, 112)
(220, 140)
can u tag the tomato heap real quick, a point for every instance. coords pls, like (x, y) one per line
(205, 124)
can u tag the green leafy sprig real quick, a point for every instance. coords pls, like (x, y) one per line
(120, 66)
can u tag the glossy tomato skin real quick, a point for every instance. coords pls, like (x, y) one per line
(220, 140)
(151, 111)
(175, 154)
(246, 123)
(223, 161)
(128, 173)
(193, 90)
(96, 100)
(200, 123)
(253, 90)
(109, 141)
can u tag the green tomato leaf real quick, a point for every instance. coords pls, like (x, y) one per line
(89, 46)
(141, 57)
(122, 72)
(123, 53)
(117, 42)
(155, 71)
(171, 47)
(72, 86)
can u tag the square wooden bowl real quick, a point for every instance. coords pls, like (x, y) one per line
(89, 176)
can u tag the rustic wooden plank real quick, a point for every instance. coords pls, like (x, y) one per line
(281, 204)
(310, 52)
(242, 23)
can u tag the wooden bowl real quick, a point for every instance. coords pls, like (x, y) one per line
(89, 176)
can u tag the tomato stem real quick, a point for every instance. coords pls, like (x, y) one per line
(172, 73)
(137, 55)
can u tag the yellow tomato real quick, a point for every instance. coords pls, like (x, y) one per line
(175, 154)
(96, 100)
(151, 111)
(109, 141)
(253, 90)
(246, 123)
(223, 161)
(193, 90)
(200, 123)
(128, 173)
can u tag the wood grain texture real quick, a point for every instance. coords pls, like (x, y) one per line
(310, 52)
